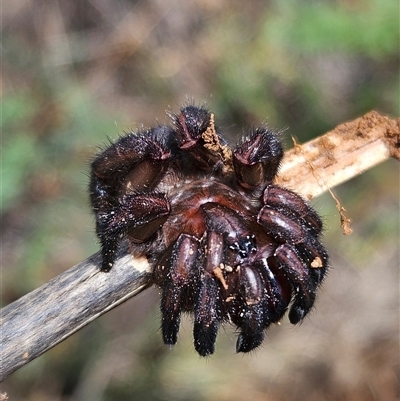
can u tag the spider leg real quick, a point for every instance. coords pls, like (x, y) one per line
(281, 226)
(300, 275)
(176, 284)
(309, 248)
(316, 256)
(137, 160)
(278, 289)
(256, 159)
(252, 332)
(207, 307)
(254, 312)
(140, 214)
(290, 229)
(302, 257)
(199, 137)
(134, 162)
(267, 295)
(292, 205)
(207, 315)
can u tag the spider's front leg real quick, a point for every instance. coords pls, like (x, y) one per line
(200, 139)
(256, 159)
(121, 182)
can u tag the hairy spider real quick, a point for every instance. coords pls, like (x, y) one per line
(225, 242)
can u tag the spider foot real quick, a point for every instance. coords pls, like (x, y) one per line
(256, 159)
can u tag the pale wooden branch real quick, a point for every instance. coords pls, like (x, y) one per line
(48, 315)
(343, 153)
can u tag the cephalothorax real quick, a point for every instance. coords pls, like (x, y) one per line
(226, 243)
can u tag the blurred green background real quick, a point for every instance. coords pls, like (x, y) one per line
(77, 72)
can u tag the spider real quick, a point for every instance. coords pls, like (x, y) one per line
(227, 245)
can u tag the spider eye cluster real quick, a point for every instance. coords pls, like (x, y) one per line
(227, 244)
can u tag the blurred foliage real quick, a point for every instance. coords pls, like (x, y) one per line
(76, 73)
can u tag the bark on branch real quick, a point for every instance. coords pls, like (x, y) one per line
(48, 315)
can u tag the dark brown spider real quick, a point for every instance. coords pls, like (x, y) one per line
(226, 243)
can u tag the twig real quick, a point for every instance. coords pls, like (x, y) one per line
(48, 315)
(343, 153)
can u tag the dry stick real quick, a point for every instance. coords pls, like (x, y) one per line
(48, 315)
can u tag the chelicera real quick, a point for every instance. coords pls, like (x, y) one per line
(227, 245)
